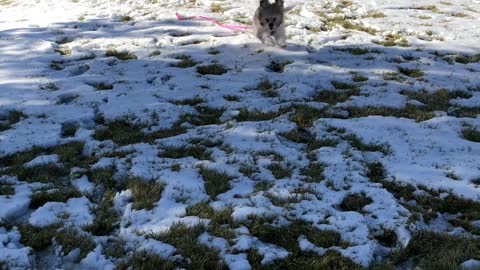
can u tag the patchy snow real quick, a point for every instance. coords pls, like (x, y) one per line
(75, 211)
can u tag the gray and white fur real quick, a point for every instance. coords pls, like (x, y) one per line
(268, 23)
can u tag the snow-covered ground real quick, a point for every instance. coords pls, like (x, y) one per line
(369, 100)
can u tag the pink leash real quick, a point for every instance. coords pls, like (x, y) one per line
(231, 27)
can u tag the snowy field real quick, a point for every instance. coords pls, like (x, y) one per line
(132, 140)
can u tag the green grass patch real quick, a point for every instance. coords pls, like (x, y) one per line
(333, 97)
(314, 172)
(278, 66)
(124, 132)
(60, 195)
(10, 118)
(99, 86)
(217, 8)
(70, 239)
(121, 55)
(205, 116)
(411, 72)
(268, 88)
(212, 69)
(197, 151)
(106, 217)
(358, 143)
(471, 134)
(186, 61)
(184, 239)
(304, 116)
(142, 260)
(37, 238)
(391, 40)
(215, 182)
(436, 101)
(50, 86)
(145, 194)
(439, 251)
(280, 171)
(287, 236)
(355, 202)
(255, 115)
(7, 190)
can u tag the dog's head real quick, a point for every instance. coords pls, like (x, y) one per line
(270, 15)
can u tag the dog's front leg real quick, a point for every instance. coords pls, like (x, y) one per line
(267, 39)
(281, 37)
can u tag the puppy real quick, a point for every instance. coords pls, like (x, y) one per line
(268, 23)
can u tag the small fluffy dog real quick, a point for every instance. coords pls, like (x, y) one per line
(268, 24)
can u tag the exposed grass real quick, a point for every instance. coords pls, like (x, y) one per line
(106, 217)
(359, 78)
(343, 85)
(304, 116)
(471, 134)
(255, 115)
(188, 101)
(267, 87)
(144, 194)
(48, 173)
(355, 202)
(410, 111)
(10, 118)
(232, 98)
(283, 201)
(205, 116)
(50, 86)
(391, 40)
(280, 171)
(334, 97)
(411, 72)
(427, 206)
(99, 86)
(439, 251)
(126, 18)
(197, 151)
(278, 66)
(124, 132)
(121, 55)
(375, 14)
(6, 190)
(63, 50)
(332, 22)
(102, 176)
(217, 8)
(184, 239)
(356, 50)
(69, 129)
(60, 195)
(186, 61)
(263, 186)
(314, 172)
(436, 101)
(287, 236)
(212, 69)
(142, 260)
(37, 238)
(356, 142)
(310, 261)
(70, 239)
(216, 182)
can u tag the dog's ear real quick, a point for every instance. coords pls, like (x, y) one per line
(279, 3)
(264, 3)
